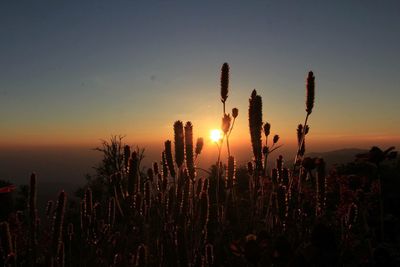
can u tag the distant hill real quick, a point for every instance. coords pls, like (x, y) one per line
(338, 156)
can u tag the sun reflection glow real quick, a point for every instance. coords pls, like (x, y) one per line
(216, 135)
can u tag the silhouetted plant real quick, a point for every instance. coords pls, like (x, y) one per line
(189, 150)
(224, 84)
(310, 96)
(255, 124)
(199, 146)
(179, 143)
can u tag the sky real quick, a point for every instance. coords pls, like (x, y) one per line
(75, 72)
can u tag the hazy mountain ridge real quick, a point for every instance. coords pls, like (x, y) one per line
(69, 166)
(339, 156)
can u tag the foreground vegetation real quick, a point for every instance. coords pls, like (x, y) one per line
(297, 214)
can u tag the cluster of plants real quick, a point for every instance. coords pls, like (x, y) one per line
(295, 214)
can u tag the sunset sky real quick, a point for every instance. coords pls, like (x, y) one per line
(74, 72)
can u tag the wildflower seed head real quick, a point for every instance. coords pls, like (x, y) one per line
(189, 149)
(299, 133)
(255, 125)
(310, 92)
(168, 157)
(235, 113)
(253, 93)
(276, 139)
(224, 82)
(179, 143)
(267, 129)
(199, 146)
(226, 123)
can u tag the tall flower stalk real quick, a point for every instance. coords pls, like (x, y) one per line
(224, 84)
(255, 125)
(189, 150)
(310, 96)
(267, 131)
(199, 146)
(169, 159)
(179, 143)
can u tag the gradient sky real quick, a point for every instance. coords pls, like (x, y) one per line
(74, 72)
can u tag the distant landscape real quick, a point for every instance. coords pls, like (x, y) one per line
(66, 167)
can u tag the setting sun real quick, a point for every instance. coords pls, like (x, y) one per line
(216, 135)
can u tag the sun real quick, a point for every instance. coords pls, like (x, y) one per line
(215, 135)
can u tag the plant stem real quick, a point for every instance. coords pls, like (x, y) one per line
(223, 104)
(218, 178)
(227, 146)
(227, 137)
(303, 134)
(266, 157)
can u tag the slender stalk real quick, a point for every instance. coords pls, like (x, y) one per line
(233, 124)
(218, 171)
(298, 150)
(227, 136)
(266, 157)
(227, 146)
(301, 141)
